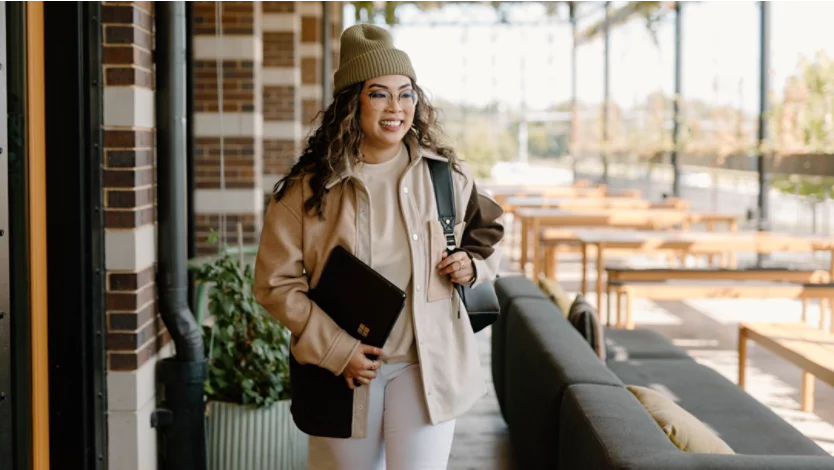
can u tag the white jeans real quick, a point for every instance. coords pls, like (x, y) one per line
(400, 434)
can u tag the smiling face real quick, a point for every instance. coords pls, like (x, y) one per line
(383, 118)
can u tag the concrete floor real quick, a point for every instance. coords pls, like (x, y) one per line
(707, 329)
(481, 435)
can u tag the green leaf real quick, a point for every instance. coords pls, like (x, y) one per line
(213, 237)
(247, 348)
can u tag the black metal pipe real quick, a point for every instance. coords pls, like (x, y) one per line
(764, 85)
(189, 143)
(675, 157)
(171, 181)
(606, 93)
(180, 416)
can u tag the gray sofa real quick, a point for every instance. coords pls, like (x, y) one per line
(566, 409)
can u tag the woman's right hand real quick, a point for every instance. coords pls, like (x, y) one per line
(361, 368)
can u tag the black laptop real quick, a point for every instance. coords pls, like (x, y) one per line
(359, 299)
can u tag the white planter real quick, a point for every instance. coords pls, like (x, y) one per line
(250, 438)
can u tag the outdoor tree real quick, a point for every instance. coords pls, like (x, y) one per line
(484, 146)
(715, 130)
(652, 13)
(367, 12)
(802, 122)
(638, 131)
(648, 137)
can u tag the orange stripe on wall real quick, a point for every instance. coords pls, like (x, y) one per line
(36, 124)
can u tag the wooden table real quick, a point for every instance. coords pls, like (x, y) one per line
(534, 219)
(712, 218)
(810, 349)
(512, 204)
(515, 203)
(502, 193)
(697, 243)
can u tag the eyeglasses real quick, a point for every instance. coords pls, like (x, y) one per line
(382, 99)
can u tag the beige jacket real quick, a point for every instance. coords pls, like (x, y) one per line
(295, 245)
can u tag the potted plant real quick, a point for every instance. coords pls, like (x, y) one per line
(249, 425)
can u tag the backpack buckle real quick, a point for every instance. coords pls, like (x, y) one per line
(451, 244)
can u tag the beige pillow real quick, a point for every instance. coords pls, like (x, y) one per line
(584, 318)
(555, 293)
(686, 431)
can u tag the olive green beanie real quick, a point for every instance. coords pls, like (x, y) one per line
(368, 51)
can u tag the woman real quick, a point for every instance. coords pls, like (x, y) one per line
(363, 183)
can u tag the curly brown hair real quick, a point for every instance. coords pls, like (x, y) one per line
(336, 144)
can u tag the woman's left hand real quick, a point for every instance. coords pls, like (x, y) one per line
(458, 266)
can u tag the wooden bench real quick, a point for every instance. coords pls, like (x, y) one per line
(623, 274)
(810, 349)
(680, 289)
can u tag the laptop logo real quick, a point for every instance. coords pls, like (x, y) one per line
(363, 330)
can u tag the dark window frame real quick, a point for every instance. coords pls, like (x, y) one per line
(75, 235)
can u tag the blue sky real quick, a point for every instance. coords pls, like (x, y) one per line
(482, 63)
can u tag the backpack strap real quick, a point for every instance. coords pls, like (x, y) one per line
(441, 175)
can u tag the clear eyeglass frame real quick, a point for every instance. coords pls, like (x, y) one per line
(407, 99)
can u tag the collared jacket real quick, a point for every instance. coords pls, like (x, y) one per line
(294, 247)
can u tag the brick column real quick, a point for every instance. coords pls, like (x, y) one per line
(282, 89)
(240, 51)
(135, 333)
(337, 24)
(311, 54)
(312, 51)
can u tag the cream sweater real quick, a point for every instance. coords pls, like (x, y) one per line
(390, 255)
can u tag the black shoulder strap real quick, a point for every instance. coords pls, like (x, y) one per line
(444, 193)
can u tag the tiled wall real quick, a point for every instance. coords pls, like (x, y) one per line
(311, 57)
(135, 333)
(261, 46)
(282, 89)
(311, 54)
(239, 48)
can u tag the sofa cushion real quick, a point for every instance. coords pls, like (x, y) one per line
(622, 345)
(603, 427)
(544, 354)
(584, 318)
(684, 430)
(555, 293)
(745, 424)
(606, 428)
(508, 289)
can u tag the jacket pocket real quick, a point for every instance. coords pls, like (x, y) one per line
(439, 287)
